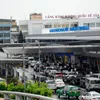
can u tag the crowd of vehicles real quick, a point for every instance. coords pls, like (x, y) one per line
(69, 83)
(66, 82)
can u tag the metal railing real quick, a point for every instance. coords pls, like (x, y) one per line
(20, 95)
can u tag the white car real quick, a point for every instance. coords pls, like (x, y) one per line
(52, 72)
(90, 96)
(59, 83)
(51, 84)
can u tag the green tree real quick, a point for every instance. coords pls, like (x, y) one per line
(21, 38)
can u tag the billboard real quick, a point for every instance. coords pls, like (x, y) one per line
(79, 28)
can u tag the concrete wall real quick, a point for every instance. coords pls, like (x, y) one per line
(34, 27)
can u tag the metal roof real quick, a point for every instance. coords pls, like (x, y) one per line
(51, 49)
(12, 60)
(65, 38)
(73, 33)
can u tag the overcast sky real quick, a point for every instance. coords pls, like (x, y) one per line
(20, 9)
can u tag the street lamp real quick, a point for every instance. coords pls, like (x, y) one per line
(24, 44)
(24, 65)
(39, 59)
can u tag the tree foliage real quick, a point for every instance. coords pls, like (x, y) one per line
(21, 38)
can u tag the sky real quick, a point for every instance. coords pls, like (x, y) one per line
(20, 9)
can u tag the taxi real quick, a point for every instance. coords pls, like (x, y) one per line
(69, 91)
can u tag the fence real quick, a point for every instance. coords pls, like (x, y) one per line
(20, 95)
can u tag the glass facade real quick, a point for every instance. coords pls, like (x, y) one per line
(57, 25)
(97, 24)
(65, 25)
(74, 24)
(48, 26)
(89, 24)
(4, 34)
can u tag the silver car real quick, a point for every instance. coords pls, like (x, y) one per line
(51, 84)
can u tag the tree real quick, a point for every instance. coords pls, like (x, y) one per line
(21, 38)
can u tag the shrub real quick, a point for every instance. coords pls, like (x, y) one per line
(30, 87)
(41, 89)
(3, 86)
(11, 87)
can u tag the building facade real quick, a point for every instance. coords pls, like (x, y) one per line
(14, 32)
(29, 27)
(5, 34)
(62, 29)
(7, 27)
(34, 26)
(48, 25)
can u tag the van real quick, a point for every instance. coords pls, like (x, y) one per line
(92, 83)
(96, 75)
(30, 59)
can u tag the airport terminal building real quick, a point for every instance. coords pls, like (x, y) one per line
(60, 29)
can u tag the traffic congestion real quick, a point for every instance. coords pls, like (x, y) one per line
(67, 81)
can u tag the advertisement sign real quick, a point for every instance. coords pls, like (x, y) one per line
(96, 15)
(79, 28)
(65, 54)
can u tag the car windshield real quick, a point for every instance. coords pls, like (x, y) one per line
(49, 68)
(58, 73)
(95, 82)
(71, 73)
(75, 88)
(53, 70)
(31, 59)
(50, 82)
(58, 77)
(96, 94)
(59, 81)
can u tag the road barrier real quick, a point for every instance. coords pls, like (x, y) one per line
(20, 95)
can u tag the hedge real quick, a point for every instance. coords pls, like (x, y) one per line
(33, 88)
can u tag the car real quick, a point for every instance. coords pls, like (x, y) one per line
(96, 75)
(59, 83)
(47, 70)
(52, 72)
(30, 59)
(69, 91)
(58, 74)
(51, 84)
(68, 76)
(92, 83)
(90, 96)
(41, 78)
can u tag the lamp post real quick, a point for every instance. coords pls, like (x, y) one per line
(39, 59)
(24, 65)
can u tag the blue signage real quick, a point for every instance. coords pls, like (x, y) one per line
(65, 54)
(79, 28)
(59, 30)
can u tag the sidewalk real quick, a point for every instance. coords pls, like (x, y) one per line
(1, 98)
